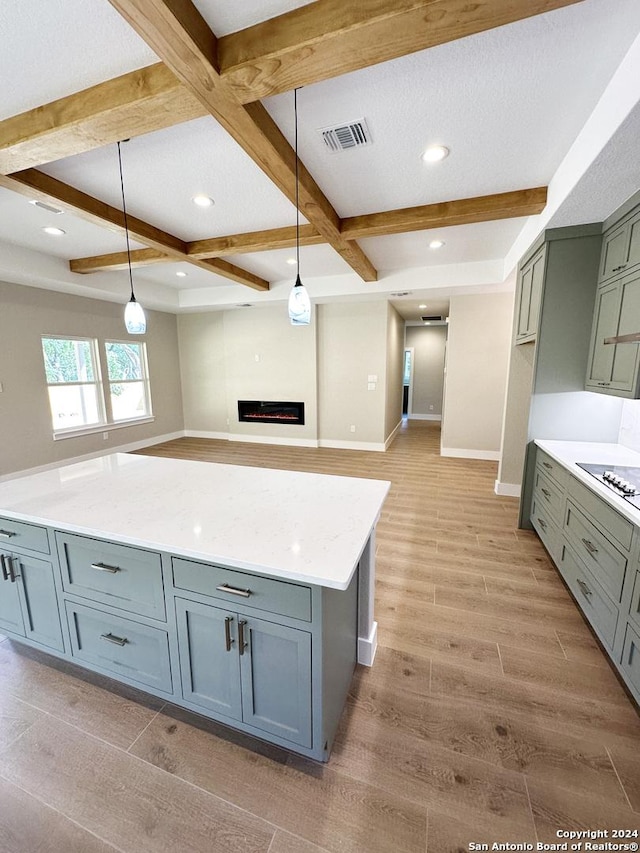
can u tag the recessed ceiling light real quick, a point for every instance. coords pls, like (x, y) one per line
(203, 200)
(181, 274)
(436, 244)
(291, 261)
(422, 306)
(435, 153)
(48, 207)
(56, 232)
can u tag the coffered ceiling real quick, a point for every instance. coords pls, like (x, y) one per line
(204, 93)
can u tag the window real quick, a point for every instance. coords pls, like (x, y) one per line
(128, 380)
(74, 368)
(73, 379)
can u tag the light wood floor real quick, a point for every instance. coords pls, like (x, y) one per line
(490, 714)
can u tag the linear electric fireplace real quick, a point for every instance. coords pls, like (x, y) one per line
(269, 412)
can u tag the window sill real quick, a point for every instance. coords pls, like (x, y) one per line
(92, 430)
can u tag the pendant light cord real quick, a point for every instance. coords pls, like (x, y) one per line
(295, 113)
(126, 224)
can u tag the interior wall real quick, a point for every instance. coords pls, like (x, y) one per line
(352, 346)
(27, 313)
(429, 347)
(477, 357)
(395, 370)
(203, 371)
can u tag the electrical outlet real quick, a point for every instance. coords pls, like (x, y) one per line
(1, 388)
(352, 427)
(105, 435)
(430, 408)
(371, 386)
(257, 357)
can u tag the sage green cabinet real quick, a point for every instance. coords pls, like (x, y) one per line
(529, 289)
(246, 668)
(615, 368)
(621, 248)
(28, 599)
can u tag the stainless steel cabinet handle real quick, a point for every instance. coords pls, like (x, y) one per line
(224, 587)
(7, 534)
(241, 640)
(103, 567)
(8, 569)
(591, 548)
(546, 465)
(543, 524)
(111, 638)
(3, 566)
(546, 493)
(585, 589)
(228, 642)
(621, 267)
(605, 384)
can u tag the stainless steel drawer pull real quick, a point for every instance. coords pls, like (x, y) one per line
(546, 493)
(546, 465)
(7, 534)
(591, 548)
(103, 567)
(621, 267)
(228, 642)
(3, 564)
(585, 589)
(224, 587)
(241, 640)
(543, 524)
(604, 384)
(111, 638)
(8, 570)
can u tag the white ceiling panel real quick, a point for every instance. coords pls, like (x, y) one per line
(52, 48)
(229, 16)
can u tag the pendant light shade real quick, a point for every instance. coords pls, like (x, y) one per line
(134, 319)
(299, 301)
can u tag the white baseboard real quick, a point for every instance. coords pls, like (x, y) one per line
(461, 453)
(367, 646)
(201, 433)
(122, 448)
(509, 490)
(425, 417)
(393, 434)
(352, 445)
(267, 439)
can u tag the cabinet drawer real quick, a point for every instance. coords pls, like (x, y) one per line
(18, 534)
(286, 599)
(121, 646)
(545, 528)
(634, 606)
(592, 600)
(604, 560)
(124, 577)
(549, 495)
(551, 468)
(606, 517)
(630, 663)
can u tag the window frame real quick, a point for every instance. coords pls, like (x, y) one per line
(97, 383)
(146, 382)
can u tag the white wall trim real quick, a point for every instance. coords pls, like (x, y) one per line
(123, 448)
(509, 490)
(462, 453)
(394, 432)
(351, 445)
(267, 439)
(367, 646)
(425, 417)
(201, 433)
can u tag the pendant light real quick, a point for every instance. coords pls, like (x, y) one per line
(299, 302)
(134, 319)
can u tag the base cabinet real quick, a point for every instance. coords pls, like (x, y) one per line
(28, 599)
(246, 668)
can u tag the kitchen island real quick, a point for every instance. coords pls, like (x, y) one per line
(245, 594)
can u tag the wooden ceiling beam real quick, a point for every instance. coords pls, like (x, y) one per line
(140, 102)
(37, 185)
(330, 37)
(178, 34)
(465, 211)
(255, 241)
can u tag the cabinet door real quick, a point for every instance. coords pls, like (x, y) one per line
(276, 679)
(605, 325)
(39, 602)
(209, 659)
(525, 302)
(614, 252)
(626, 359)
(531, 280)
(633, 251)
(10, 610)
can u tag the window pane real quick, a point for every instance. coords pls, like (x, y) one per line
(124, 361)
(67, 361)
(73, 406)
(128, 401)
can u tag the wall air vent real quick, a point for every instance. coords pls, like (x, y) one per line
(343, 137)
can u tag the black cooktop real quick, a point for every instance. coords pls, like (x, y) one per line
(623, 480)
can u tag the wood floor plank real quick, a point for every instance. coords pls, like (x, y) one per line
(582, 646)
(29, 826)
(451, 832)
(15, 718)
(627, 765)
(284, 842)
(140, 808)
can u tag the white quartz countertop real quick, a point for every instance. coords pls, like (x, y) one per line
(286, 524)
(569, 453)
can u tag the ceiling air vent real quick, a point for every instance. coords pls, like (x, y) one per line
(432, 319)
(48, 207)
(343, 137)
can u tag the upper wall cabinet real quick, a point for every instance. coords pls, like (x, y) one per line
(529, 289)
(621, 248)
